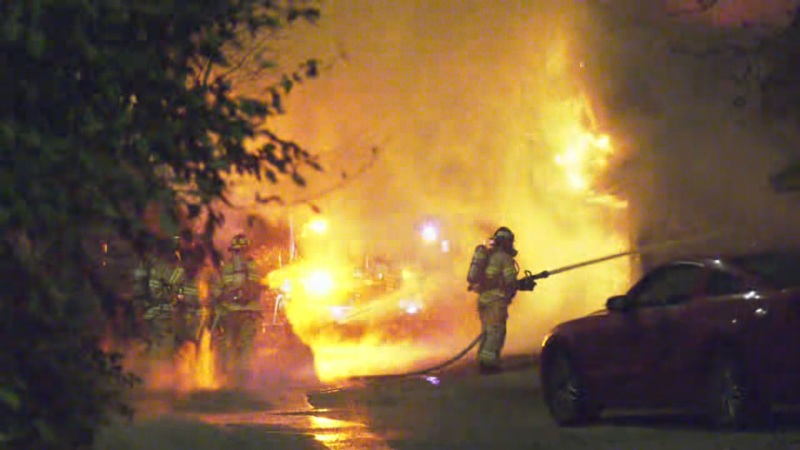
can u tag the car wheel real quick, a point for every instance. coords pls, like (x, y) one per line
(732, 402)
(564, 392)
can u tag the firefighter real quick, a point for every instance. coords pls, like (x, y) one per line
(187, 310)
(187, 314)
(495, 295)
(158, 283)
(239, 311)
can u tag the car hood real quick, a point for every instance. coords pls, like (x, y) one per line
(583, 322)
(599, 312)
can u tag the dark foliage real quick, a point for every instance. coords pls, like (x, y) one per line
(106, 108)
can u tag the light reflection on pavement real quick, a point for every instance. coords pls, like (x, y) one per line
(277, 418)
(334, 434)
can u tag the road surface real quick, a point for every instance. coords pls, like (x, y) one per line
(458, 409)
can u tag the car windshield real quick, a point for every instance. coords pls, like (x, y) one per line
(781, 270)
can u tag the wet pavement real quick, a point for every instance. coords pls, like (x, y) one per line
(454, 410)
(240, 420)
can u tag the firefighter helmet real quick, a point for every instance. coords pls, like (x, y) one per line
(239, 242)
(503, 234)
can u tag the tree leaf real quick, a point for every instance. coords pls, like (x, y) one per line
(46, 431)
(10, 398)
(286, 84)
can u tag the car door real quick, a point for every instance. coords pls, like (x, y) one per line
(691, 326)
(773, 342)
(770, 316)
(653, 331)
(783, 343)
(616, 346)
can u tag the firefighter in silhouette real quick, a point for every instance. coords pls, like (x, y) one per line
(239, 312)
(187, 312)
(158, 285)
(496, 284)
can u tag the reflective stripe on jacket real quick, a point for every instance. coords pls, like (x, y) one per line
(237, 272)
(501, 276)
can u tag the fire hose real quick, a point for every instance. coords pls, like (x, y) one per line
(528, 282)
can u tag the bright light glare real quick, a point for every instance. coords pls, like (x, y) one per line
(430, 233)
(318, 226)
(432, 380)
(340, 313)
(752, 295)
(319, 283)
(411, 306)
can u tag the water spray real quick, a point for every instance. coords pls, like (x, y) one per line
(527, 283)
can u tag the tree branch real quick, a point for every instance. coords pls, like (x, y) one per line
(345, 181)
(701, 7)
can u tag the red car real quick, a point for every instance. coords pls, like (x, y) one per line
(721, 335)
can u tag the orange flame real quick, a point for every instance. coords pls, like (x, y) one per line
(195, 363)
(197, 368)
(586, 153)
(482, 172)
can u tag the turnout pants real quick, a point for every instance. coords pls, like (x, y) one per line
(240, 329)
(160, 337)
(493, 314)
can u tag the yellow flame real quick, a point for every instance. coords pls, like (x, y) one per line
(323, 306)
(203, 291)
(372, 354)
(206, 377)
(319, 283)
(319, 286)
(586, 152)
(196, 363)
(554, 230)
(196, 366)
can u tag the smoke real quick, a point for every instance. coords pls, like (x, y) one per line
(694, 160)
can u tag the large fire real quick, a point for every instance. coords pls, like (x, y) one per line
(501, 134)
(319, 283)
(497, 132)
